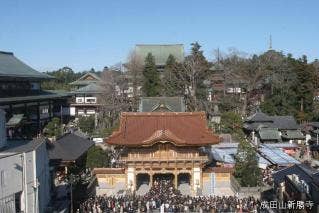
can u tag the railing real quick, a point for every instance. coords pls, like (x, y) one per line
(198, 158)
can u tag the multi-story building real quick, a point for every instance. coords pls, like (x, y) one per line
(86, 95)
(28, 108)
(169, 146)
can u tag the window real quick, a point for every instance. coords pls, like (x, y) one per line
(3, 178)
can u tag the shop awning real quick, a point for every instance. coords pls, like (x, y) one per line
(15, 120)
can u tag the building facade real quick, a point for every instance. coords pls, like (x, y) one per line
(28, 108)
(87, 91)
(24, 177)
(171, 145)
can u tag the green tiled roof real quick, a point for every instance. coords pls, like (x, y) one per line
(293, 134)
(269, 134)
(160, 52)
(43, 96)
(10, 66)
(150, 104)
(81, 81)
(91, 88)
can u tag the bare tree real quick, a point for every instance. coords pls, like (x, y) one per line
(134, 68)
(113, 100)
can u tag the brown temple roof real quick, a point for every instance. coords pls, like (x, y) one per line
(146, 129)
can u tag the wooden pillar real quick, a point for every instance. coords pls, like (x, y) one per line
(151, 179)
(175, 179)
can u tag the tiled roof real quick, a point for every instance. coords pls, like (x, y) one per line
(145, 129)
(259, 117)
(10, 66)
(68, 148)
(293, 134)
(269, 134)
(90, 88)
(20, 146)
(41, 96)
(150, 104)
(284, 122)
(160, 52)
(305, 172)
(86, 79)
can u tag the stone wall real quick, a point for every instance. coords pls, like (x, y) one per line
(242, 192)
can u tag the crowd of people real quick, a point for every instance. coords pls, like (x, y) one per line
(267, 176)
(164, 197)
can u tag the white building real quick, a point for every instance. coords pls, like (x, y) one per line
(24, 175)
(86, 95)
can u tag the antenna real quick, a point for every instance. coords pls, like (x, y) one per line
(270, 42)
(218, 55)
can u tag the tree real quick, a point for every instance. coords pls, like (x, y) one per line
(170, 81)
(188, 78)
(112, 99)
(232, 123)
(196, 70)
(63, 77)
(87, 124)
(152, 82)
(53, 128)
(246, 167)
(97, 158)
(135, 72)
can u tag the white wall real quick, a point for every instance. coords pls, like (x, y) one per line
(27, 173)
(10, 175)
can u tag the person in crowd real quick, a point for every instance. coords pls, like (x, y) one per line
(164, 197)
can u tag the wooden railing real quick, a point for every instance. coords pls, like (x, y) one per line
(131, 159)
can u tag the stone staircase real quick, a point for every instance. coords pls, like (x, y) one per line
(143, 189)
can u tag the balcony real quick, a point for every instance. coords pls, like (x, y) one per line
(163, 159)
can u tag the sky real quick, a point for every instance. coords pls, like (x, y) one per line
(82, 34)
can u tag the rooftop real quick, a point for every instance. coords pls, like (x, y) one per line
(20, 146)
(173, 104)
(161, 52)
(70, 147)
(305, 172)
(90, 88)
(10, 66)
(180, 128)
(40, 96)
(86, 79)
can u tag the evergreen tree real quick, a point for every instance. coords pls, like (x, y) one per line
(53, 128)
(97, 158)
(87, 124)
(195, 72)
(170, 79)
(246, 167)
(152, 82)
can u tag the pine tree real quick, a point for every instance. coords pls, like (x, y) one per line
(246, 167)
(170, 79)
(152, 81)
